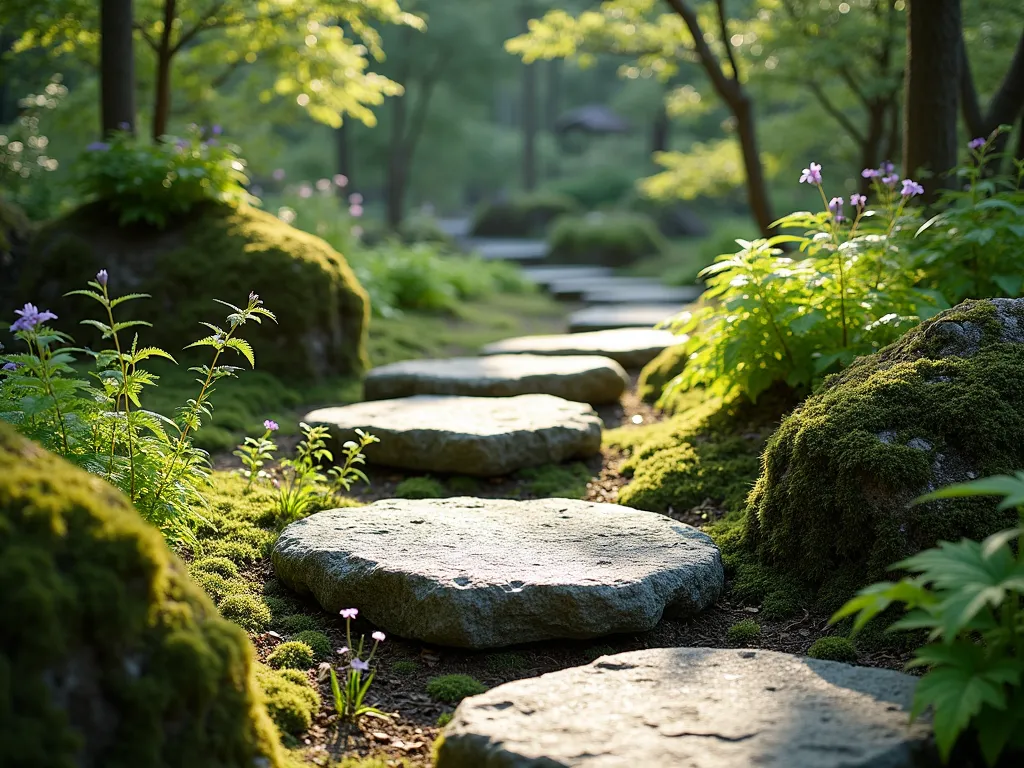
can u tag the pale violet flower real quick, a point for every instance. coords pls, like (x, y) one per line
(30, 317)
(811, 174)
(835, 204)
(911, 188)
(343, 650)
(359, 665)
(270, 425)
(378, 636)
(858, 201)
(870, 173)
(101, 277)
(977, 143)
(349, 613)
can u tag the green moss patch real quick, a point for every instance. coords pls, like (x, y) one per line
(833, 649)
(658, 373)
(291, 655)
(317, 641)
(451, 689)
(744, 632)
(100, 610)
(561, 481)
(832, 508)
(420, 488)
(290, 700)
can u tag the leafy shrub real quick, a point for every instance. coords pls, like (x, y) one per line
(290, 700)
(744, 632)
(420, 488)
(425, 229)
(316, 640)
(833, 649)
(463, 485)
(145, 182)
(247, 611)
(451, 689)
(525, 215)
(104, 428)
(615, 239)
(596, 187)
(293, 654)
(967, 596)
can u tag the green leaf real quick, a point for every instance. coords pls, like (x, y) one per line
(1009, 486)
(243, 348)
(129, 297)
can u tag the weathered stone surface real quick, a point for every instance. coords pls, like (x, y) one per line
(621, 316)
(644, 294)
(576, 287)
(629, 347)
(508, 250)
(693, 708)
(483, 573)
(484, 436)
(582, 378)
(548, 274)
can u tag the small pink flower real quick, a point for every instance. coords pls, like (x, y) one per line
(349, 613)
(858, 201)
(305, 190)
(343, 650)
(355, 210)
(355, 198)
(270, 425)
(811, 174)
(340, 180)
(378, 636)
(322, 185)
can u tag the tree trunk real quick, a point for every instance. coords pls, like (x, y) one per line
(757, 189)
(871, 149)
(117, 66)
(529, 114)
(343, 160)
(660, 129)
(164, 54)
(395, 199)
(933, 80)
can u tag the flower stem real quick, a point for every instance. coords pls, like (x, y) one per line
(45, 375)
(117, 400)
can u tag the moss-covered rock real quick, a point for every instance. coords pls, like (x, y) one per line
(216, 252)
(658, 373)
(833, 505)
(110, 656)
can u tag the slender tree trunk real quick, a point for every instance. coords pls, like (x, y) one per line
(164, 54)
(117, 66)
(397, 160)
(757, 188)
(933, 78)
(343, 160)
(871, 148)
(660, 129)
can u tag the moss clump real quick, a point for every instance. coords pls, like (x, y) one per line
(215, 585)
(832, 507)
(291, 655)
(615, 239)
(318, 641)
(833, 649)
(299, 622)
(322, 310)
(444, 718)
(464, 485)
(110, 654)
(404, 667)
(669, 363)
(247, 611)
(561, 481)
(504, 663)
(451, 689)
(290, 700)
(525, 215)
(744, 632)
(222, 566)
(419, 488)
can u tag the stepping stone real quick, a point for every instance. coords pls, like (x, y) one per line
(653, 294)
(629, 347)
(602, 318)
(546, 275)
(694, 708)
(578, 287)
(582, 378)
(482, 436)
(509, 250)
(485, 573)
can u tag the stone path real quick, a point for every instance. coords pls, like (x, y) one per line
(485, 573)
(578, 287)
(643, 294)
(582, 378)
(605, 318)
(631, 348)
(508, 250)
(693, 708)
(481, 436)
(546, 275)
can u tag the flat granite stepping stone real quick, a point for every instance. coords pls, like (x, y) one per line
(693, 708)
(640, 294)
(582, 378)
(576, 288)
(603, 318)
(485, 573)
(482, 436)
(508, 249)
(546, 275)
(629, 347)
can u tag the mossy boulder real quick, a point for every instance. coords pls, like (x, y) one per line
(656, 375)
(110, 656)
(216, 252)
(944, 404)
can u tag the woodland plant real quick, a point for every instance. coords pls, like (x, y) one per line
(349, 698)
(770, 317)
(969, 598)
(101, 425)
(140, 181)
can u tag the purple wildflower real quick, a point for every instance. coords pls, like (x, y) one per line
(840, 218)
(217, 130)
(278, 174)
(887, 167)
(891, 179)
(911, 188)
(977, 143)
(858, 201)
(270, 425)
(835, 204)
(10, 367)
(31, 317)
(349, 613)
(101, 277)
(98, 146)
(871, 173)
(359, 665)
(378, 636)
(123, 126)
(811, 174)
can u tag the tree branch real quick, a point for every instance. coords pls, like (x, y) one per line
(723, 26)
(837, 114)
(727, 88)
(146, 36)
(970, 106)
(1009, 99)
(202, 24)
